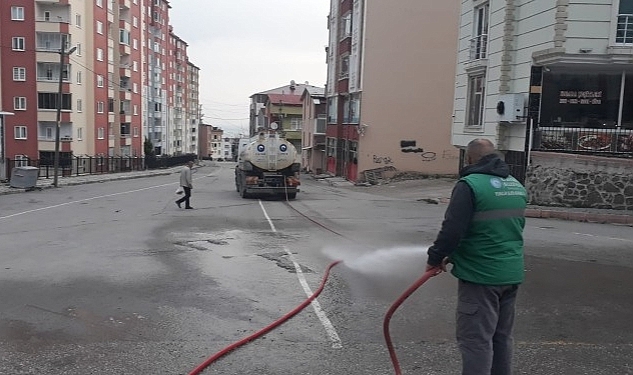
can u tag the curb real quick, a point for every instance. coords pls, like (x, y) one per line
(586, 217)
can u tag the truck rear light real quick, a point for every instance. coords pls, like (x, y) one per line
(292, 181)
(252, 180)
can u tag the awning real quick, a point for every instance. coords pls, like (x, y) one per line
(5, 113)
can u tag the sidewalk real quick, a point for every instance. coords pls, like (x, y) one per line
(438, 191)
(46, 183)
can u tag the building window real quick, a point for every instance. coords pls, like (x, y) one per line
(346, 26)
(78, 20)
(18, 43)
(101, 132)
(344, 67)
(80, 105)
(135, 43)
(21, 160)
(19, 103)
(78, 50)
(476, 91)
(99, 3)
(332, 110)
(17, 13)
(135, 109)
(134, 21)
(48, 100)
(79, 77)
(19, 73)
(99, 80)
(80, 134)
(136, 133)
(19, 132)
(479, 42)
(100, 27)
(624, 31)
(135, 66)
(124, 37)
(99, 54)
(100, 107)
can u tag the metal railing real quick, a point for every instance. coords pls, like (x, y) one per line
(479, 47)
(89, 165)
(613, 142)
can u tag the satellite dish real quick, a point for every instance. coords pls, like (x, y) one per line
(274, 126)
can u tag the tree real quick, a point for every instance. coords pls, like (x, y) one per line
(148, 147)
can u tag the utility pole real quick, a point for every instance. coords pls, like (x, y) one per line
(62, 53)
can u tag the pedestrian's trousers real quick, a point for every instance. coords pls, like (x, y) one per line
(485, 318)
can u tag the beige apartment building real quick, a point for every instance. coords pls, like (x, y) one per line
(390, 85)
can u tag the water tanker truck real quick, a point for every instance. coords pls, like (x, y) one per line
(267, 166)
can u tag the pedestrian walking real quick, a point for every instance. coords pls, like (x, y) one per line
(482, 236)
(186, 183)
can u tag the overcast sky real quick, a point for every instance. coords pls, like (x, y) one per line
(247, 46)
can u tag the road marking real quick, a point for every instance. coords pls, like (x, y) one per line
(327, 324)
(89, 199)
(598, 236)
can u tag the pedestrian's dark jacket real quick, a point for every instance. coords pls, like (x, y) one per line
(482, 229)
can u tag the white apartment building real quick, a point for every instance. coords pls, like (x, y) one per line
(559, 70)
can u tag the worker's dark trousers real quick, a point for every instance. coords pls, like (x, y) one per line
(485, 317)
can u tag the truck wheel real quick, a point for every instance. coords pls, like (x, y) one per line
(243, 193)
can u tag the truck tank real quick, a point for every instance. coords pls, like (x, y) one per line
(267, 165)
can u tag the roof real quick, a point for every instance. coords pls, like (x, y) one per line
(299, 87)
(285, 99)
(314, 92)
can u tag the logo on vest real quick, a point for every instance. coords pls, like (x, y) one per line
(496, 183)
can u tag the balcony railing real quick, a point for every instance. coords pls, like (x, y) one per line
(624, 31)
(479, 47)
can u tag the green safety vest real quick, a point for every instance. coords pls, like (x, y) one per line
(491, 252)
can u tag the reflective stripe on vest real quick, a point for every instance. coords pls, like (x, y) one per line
(498, 214)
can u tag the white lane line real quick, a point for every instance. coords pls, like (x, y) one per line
(606, 237)
(327, 324)
(89, 199)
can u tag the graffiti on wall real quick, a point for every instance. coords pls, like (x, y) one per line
(386, 160)
(408, 146)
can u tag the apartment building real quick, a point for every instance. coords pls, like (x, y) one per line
(390, 84)
(313, 130)
(124, 76)
(553, 76)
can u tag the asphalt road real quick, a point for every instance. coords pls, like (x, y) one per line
(113, 278)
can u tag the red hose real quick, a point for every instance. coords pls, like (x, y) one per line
(392, 353)
(266, 329)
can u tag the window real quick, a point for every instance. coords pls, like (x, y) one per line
(78, 20)
(99, 54)
(79, 77)
(18, 43)
(295, 124)
(124, 37)
(19, 132)
(135, 87)
(135, 43)
(135, 109)
(476, 91)
(135, 66)
(80, 134)
(100, 107)
(48, 100)
(134, 21)
(19, 73)
(17, 13)
(48, 133)
(19, 103)
(346, 26)
(99, 80)
(101, 132)
(332, 110)
(78, 50)
(624, 31)
(99, 3)
(21, 160)
(136, 133)
(479, 43)
(344, 67)
(100, 27)
(80, 105)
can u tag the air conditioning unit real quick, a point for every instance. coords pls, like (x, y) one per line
(511, 107)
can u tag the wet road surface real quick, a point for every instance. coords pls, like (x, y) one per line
(114, 279)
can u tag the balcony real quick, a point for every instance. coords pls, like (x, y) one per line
(479, 47)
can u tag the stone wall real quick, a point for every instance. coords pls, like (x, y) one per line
(567, 180)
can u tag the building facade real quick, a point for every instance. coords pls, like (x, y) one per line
(125, 76)
(544, 75)
(313, 130)
(390, 87)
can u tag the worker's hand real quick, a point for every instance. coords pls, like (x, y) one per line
(437, 269)
(445, 261)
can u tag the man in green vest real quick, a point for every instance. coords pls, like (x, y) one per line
(482, 236)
